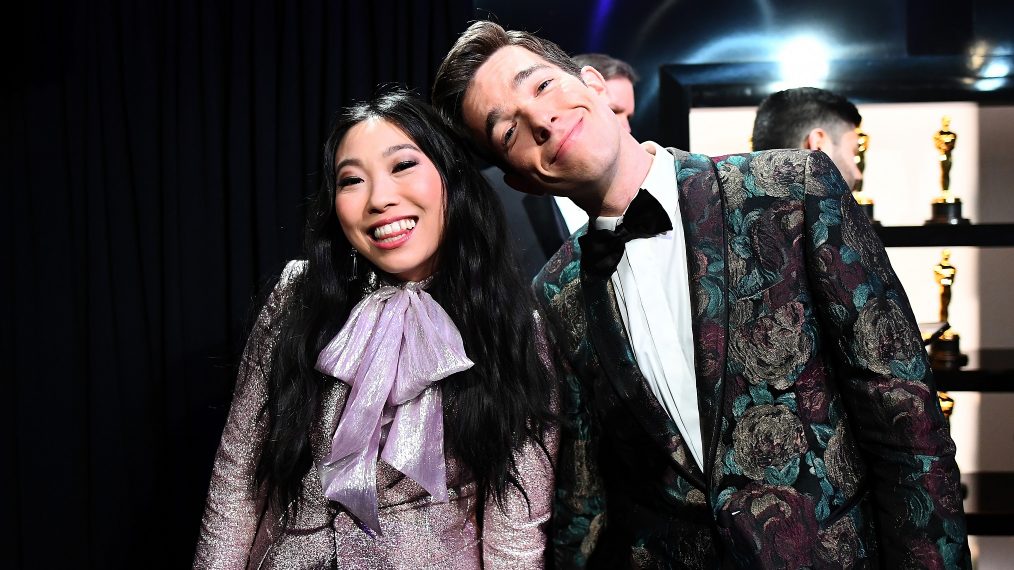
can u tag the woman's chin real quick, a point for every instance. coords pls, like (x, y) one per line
(406, 272)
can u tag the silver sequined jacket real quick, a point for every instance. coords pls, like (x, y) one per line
(240, 530)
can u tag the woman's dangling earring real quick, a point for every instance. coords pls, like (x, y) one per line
(354, 274)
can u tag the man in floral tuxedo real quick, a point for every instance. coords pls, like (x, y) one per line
(744, 381)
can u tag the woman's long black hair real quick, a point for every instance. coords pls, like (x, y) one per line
(490, 410)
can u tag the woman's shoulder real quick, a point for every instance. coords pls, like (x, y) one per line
(293, 269)
(283, 289)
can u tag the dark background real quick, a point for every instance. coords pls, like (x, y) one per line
(155, 163)
(156, 157)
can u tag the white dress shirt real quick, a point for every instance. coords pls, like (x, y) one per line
(573, 216)
(653, 292)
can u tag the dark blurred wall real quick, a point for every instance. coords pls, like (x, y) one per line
(156, 158)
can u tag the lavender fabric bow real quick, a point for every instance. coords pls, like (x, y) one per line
(397, 342)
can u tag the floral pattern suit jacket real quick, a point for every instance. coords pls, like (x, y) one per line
(825, 445)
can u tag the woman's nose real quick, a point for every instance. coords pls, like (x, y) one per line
(383, 195)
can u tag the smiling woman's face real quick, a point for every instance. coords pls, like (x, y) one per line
(389, 199)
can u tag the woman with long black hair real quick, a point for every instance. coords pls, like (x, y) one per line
(394, 402)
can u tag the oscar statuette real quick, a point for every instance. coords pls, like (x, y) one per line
(864, 201)
(945, 352)
(946, 405)
(946, 208)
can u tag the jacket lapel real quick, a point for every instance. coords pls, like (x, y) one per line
(609, 337)
(702, 207)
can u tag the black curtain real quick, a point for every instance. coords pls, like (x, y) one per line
(156, 159)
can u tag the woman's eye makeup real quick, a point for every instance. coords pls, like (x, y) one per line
(404, 165)
(344, 181)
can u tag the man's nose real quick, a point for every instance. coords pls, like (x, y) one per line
(541, 121)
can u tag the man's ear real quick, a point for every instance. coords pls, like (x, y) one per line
(522, 184)
(592, 78)
(816, 139)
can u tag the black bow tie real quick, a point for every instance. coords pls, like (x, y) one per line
(601, 250)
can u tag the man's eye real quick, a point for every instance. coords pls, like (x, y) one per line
(404, 165)
(507, 135)
(349, 181)
(543, 85)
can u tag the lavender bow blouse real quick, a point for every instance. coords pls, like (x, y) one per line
(242, 530)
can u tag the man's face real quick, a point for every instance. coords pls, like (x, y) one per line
(843, 153)
(621, 99)
(553, 130)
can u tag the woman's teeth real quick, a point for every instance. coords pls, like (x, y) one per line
(383, 232)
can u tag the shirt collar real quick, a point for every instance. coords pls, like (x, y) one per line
(660, 183)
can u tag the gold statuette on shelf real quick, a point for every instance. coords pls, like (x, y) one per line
(946, 207)
(946, 405)
(864, 201)
(945, 353)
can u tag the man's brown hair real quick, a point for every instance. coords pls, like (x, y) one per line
(475, 45)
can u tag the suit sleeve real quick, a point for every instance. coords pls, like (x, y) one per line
(233, 509)
(882, 372)
(579, 506)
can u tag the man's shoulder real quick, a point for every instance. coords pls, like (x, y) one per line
(780, 173)
(794, 171)
(741, 160)
(685, 159)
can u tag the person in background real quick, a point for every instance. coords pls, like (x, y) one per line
(814, 119)
(746, 384)
(620, 79)
(539, 224)
(394, 407)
